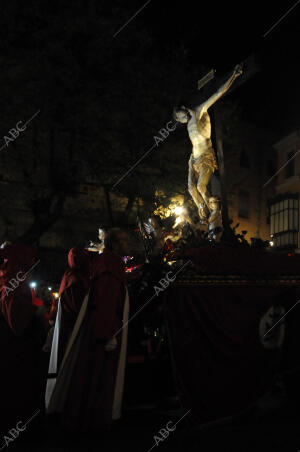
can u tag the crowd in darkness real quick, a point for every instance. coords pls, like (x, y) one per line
(72, 368)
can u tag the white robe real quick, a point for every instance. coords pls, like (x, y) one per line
(57, 388)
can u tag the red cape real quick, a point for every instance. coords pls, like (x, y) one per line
(74, 287)
(22, 383)
(78, 271)
(90, 397)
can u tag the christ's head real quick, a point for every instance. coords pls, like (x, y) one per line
(181, 114)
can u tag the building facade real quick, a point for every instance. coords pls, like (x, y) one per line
(284, 206)
(248, 172)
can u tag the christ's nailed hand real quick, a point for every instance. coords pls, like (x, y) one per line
(111, 345)
(238, 70)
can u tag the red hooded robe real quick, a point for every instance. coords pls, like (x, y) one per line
(22, 383)
(91, 392)
(73, 288)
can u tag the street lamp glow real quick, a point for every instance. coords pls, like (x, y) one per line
(178, 210)
(33, 285)
(178, 221)
(49, 288)
(271, 243)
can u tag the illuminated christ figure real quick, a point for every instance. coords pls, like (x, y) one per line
(202, 163)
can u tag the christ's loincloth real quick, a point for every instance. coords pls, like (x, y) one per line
(206, 159)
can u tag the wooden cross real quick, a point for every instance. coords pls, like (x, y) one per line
(250, 68)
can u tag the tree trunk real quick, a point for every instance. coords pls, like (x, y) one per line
(129, 206)
(108, 205)
(43, 222)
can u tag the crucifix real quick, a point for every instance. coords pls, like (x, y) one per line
(203, 163)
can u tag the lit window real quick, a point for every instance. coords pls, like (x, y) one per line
(284, 221)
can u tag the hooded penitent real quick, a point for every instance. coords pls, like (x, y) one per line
(22, 382)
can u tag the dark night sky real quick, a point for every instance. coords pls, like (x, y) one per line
(214, 34)
(220, 36)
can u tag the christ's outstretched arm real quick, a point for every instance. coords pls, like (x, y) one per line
(238, 70)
